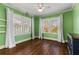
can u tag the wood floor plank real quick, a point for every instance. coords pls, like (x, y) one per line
(37, 47)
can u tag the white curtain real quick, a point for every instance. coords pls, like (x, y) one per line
(40, 28)
(32, 30)
(60, 31)
(10, 41)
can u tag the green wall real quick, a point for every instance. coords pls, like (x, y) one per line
(2, 12)
(50, 36)
(67, 23)
(76, 18)
(36, 25)
(21, 37)
(2, 22)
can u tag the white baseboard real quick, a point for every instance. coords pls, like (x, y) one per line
(23, 40)
(63, 41)
(66, 41)
(36, 37)
(50, 38)
(2, 46)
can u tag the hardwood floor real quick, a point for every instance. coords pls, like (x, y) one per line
(37, 47)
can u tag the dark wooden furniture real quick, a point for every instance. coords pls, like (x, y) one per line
(73, 43)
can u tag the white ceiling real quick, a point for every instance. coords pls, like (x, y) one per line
(31, 8)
